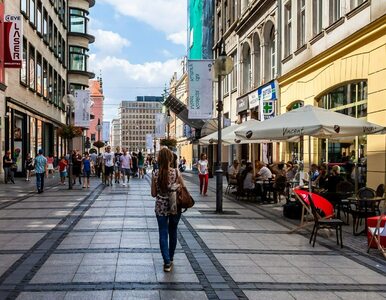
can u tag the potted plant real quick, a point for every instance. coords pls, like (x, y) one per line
(98, 144)
(69, 131)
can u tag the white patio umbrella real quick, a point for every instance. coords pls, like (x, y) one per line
(312, 121)
(228, 134)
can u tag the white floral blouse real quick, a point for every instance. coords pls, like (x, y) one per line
(162, 202)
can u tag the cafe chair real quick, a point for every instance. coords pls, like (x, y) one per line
(344, 189)
(366, 193)
(280, 188)
(380, 191)
(232, 183)
(325, 223)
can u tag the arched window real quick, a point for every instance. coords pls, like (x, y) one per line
(349, 99)
(246, 68)
(257, 59)
(270, 52)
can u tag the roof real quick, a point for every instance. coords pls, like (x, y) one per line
(95, 88)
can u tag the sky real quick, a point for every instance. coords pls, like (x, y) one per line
(139, 44)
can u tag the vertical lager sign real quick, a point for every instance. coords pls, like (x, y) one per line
(82, 108)
(200, 89)
(13, 41)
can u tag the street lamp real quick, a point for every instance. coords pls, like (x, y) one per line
(169, 120)
(223, 65)
(99, 129)
(70, 100)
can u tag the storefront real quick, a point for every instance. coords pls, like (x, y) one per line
(350, 82)
(27, 132)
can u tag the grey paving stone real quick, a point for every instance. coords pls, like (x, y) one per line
(271, 295)
(182, 295)
(89, 295)
(226, 295)
(136, 295)
(42, 296)
(307, 295)
(359, 296)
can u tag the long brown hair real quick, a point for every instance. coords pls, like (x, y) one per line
(165, 158)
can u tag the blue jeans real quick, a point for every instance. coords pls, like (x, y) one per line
(39, 181)
(167, 226)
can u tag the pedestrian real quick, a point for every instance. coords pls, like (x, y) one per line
(29, 166)
(141, 161)
(126, 165)
(86, 167)
(93, 158)
(167, 220)
(108, 161)
(203, 174)
(62, 166)
(135, 164)
(76, 166)
(117, 165)
(7, 166)
(50, 164)
(40, 171)
(98, 165)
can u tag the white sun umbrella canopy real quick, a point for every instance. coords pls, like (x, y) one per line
(229, 136)
(312, 121)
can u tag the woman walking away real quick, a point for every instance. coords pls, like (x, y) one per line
(141, 161)
(203, 174)
(29, 166)
(86, 167)
(163, 188)
(7, 166)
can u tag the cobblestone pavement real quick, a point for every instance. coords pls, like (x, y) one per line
(102, 243)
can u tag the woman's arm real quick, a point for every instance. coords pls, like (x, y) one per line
(153, 186)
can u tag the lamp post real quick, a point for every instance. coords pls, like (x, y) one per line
(70, 100)
(169, 120)
(223, 65)
(99, 129)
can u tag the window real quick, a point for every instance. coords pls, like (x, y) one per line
(32, 71)
(335, 10)
(55, 41)
(45, 79)
(287, 28)
(78, 58)
(78, 21)
(63, 54)
(355, 3)
(45, 25)
(317, 15)
(272, 52)
(23, 70)
(39, 74)
(32, 11)
(23, 6)
(234, 71)
(226, 84)
(93, 136)
(247, 74)
(50, 83)
(60, 48)
(50, 32)
(301, 23)
(39, 18)
(55, 91)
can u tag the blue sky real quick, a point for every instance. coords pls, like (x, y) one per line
(139, 45)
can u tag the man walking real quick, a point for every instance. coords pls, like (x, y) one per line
(40, 171)
(108, 159)
(126, 165)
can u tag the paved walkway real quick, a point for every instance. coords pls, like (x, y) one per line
(102, 243)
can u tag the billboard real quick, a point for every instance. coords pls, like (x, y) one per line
(13, 41)
(160, 123)
(82, 108)
(201, 28)
(200, 94)
(106, 131)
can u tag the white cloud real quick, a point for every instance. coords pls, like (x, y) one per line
(109, 42)
(168, 16)
(120, 77)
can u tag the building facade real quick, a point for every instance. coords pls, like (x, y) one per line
(97, 98)
(34, 108)
(333, 56)
(137, 118)
(115, 135)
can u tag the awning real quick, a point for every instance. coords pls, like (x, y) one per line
(209, 127)
(181, 111)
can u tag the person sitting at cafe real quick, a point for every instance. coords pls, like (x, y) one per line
(322, 180)
(248, 178)
(263, 176)
(243, 164)
(314, 172)
(334, 179)
(233, 170)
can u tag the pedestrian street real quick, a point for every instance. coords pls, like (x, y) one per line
(102, 243)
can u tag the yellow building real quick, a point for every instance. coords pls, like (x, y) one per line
(339, 64)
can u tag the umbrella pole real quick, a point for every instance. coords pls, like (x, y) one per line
(309, 165)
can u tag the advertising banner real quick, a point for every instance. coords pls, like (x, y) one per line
(82, 108)
(13, 41)
(200, 89)
(160, 123)
(149, 141)
(105, 131)
(253, 99)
